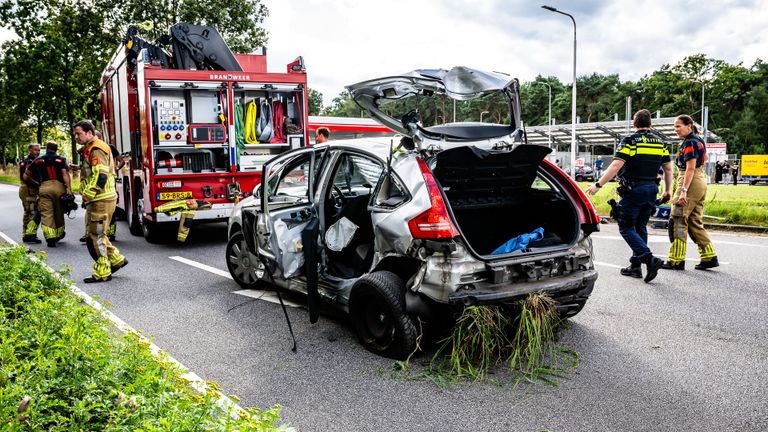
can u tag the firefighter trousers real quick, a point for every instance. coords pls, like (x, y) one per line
(111, 230)
(689, 220)
(106, 256)
(31, 220)
(51, 213)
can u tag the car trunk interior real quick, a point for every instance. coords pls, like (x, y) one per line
(496, 196)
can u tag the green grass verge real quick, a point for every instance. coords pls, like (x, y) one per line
(741, 205)
(9, 179)
(63, 367)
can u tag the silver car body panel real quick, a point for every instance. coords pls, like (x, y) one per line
(392, 234)
(444, 279)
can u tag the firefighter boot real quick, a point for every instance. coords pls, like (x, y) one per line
(101, 271)
(704, 265)
(116, 262)
(30, 231)
(632, 271)
(652, 266)
(673, 266)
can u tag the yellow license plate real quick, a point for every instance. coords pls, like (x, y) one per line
(169, 196)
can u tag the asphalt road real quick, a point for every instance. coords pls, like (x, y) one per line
(685, 352)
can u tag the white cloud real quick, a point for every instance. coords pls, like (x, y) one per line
(346, 41)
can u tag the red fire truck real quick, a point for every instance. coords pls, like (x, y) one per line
(348, 127)
(196, 121)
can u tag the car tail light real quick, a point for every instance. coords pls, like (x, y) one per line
(169, 184)
(588, 217)
(434, 223)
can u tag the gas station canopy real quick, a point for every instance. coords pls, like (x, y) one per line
(604, 134)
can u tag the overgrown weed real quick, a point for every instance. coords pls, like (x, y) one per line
(518, 339)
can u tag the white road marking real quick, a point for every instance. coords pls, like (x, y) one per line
(269, 296)
(8, 239)
(201, 266)
(665, 239)
(197, 383)
(604, 264)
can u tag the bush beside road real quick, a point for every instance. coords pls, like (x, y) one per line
(62, 367)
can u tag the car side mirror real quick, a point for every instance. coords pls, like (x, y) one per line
(257, 190)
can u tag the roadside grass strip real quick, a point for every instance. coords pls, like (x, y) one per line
(63, 366)
(485, 340)
(738, 205)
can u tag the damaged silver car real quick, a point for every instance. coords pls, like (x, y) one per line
(401, 232)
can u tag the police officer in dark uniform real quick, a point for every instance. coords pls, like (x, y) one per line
(28, 195)
(637, 162)
(50, 171)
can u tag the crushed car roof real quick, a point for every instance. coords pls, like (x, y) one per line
(461, 83)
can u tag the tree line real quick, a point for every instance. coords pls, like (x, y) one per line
(737, 97)
(49, 75)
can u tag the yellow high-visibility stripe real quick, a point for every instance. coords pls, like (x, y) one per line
(116, 259)
(677, 251)
(708, 252)
(650, 151)
(31, 228)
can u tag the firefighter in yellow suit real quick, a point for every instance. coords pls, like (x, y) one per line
(28, 196)
(99, 197)
(187, 208)
(51, 174)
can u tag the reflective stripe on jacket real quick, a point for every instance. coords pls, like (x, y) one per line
(101, 178)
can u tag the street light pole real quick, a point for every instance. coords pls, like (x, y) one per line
(573, 92)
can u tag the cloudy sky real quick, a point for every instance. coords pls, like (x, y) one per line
(346, 41)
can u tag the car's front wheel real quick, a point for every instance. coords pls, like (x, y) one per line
(377, 309)
(244, 266)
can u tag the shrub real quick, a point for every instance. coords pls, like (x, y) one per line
(62, 366)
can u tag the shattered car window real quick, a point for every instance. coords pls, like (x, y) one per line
(293, 182)
(357, 174)
(390, 192)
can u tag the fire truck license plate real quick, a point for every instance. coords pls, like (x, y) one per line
(168, 196)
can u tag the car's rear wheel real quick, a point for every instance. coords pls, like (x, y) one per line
(244, 266)
(377, 309)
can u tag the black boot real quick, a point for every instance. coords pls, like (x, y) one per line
(91, 279)
(31, 239)
(707, 264)
(118, 267)
(83, 239)
(669, 266)
(51, 243)
(632, 271)
(652, 266)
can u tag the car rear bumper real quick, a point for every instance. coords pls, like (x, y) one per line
(509, 292)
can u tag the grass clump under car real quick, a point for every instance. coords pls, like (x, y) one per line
(63, 367)
(520, 338)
